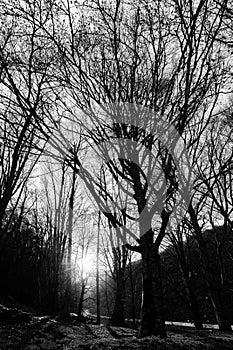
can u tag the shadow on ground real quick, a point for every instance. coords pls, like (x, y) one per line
(23, 330)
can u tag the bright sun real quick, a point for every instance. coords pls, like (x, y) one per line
(88, 264)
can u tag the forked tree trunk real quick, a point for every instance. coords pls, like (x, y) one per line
(152, 321)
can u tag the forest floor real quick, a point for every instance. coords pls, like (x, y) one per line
(23, 330)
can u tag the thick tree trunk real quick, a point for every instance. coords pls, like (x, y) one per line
(196, 312)
(120, 259)
(118, 318)
(221, 316)
(152, 321)
(224, 315)
(193, 301)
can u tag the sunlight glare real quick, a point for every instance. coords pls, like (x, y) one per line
(88, 264)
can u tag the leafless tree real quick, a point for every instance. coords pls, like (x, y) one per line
(212, 203)
(130, 53)
(24, 79)
(186, 253)
(160, 55)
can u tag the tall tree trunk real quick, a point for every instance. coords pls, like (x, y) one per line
(120, 259)
(221, 314)
(106, 293)
(118, 318)
(81, 299)
(70, 242)
(152, 321)
(224, 319)
(195, 309)
(97, 274)
(133, 308)
(220, 311)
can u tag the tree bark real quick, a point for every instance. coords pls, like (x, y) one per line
(224, 320)
(118, 318)
(68, 307)
(133, 307)
(152, 321)
(221, 314)
(196, 312)
(120, 260)
(81, 300)
(97, 274)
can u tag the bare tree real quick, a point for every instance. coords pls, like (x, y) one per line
(186, 252)
(130, 53)
(18, 160)
(156, 54)
(212, 203)
(25, 76)
(98, 313)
